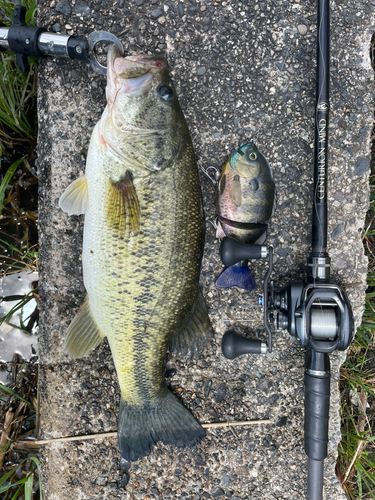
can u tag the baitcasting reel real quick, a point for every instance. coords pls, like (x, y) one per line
(318, 313)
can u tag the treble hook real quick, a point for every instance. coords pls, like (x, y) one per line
(216, 177)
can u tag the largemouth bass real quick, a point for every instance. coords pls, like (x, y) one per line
(142, 249)
(245, 202)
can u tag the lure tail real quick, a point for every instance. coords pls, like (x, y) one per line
(165, 420)
(237, 275)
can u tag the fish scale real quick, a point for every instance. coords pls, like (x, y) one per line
(142, 250)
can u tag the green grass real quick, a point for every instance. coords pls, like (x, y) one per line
(18, 257)
(356, 460)
(17, 131)
(17, 98)
(19, 472)
(20, 478)
(9, 481)
(17, 90)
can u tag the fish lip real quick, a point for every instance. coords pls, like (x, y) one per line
(132, 74)
(118, 66)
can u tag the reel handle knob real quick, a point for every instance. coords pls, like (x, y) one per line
(232, 251)
(234, 345)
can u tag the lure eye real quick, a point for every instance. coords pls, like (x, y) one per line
(166, 93)
(252, 156)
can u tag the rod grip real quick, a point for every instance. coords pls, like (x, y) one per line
(317, 392)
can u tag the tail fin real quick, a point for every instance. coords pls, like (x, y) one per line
(167, 420)
(237, 275)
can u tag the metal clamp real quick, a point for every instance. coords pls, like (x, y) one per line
(36, 41)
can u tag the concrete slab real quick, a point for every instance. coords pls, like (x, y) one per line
(243, 70)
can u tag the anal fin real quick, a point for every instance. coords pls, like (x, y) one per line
(83, 333)
(195, 331)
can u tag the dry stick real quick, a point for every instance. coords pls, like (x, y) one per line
(361, 427)
(239, 324)
(5, 435)
(113, 434)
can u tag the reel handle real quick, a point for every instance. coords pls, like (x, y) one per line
(234, 345)
(232, 251)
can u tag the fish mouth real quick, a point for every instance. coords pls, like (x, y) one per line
(131, 74)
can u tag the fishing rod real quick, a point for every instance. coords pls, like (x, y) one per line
(317, 311)
(36, 41)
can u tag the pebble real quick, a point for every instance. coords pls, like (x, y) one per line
(101, 481)
(220, 393)
(199, 461)
(83, 8)
(225, 480)
(124, 464)
(336, 232)
(207, 388)
(156, 13)
(180, 9)
(281, 422)
(362, 165)
(171, 372)
(64, 8)
(302, 28)
(217, 492)
(265, 385)
(201, 71)
(283, 252)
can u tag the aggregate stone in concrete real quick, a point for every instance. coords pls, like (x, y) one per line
(243, 70)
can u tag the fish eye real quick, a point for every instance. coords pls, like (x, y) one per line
(166, 93)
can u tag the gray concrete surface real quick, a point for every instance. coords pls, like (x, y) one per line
(243, 69)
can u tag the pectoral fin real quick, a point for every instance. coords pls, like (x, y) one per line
(123, 210)
(235, 191)
(74, 200)
(195, 332)
(83, 333)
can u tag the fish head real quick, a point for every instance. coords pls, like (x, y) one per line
(132, 77)
(142, 105)
(245, 189)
